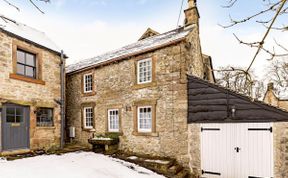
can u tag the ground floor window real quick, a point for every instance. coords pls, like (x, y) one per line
(88, 117)
(113, 120)
(44, 117)
(144, 119)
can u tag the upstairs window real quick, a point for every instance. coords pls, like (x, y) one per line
(88, 83)
(45, 117)
(26, 64)
(144, 71)
(88, 117)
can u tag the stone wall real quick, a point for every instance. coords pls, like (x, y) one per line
(116, 88)
(32, 94)
(194, 137)
(280, 136)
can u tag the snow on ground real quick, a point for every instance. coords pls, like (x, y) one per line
(73, 165)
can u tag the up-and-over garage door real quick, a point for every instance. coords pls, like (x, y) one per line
(237, 150)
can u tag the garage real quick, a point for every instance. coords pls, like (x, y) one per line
(233, 136)
(237, 150)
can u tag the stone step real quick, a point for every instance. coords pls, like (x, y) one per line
(165, 166)
(175, 169)
(183, 174)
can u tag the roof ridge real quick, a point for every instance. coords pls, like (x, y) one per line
(146, 39)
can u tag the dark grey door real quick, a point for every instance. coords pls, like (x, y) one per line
(15, 127)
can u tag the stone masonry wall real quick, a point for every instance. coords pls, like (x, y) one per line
(34, 95)
(280, 137)
(115, 88)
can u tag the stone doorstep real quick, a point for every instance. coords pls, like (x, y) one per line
(15, 152)
(25, 153)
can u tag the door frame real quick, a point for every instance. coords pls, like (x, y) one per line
(27, 119)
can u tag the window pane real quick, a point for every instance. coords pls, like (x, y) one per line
(18, 119)
(88, 117)
(10, 111)
(29, 71)
(45, 117)
(145, 119)
(21, 57)
(30, 59)
(19, 111)
(88, 83)
(10, 118)
(20, 69)
(144, 71)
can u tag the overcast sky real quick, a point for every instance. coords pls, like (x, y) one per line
(87, 28)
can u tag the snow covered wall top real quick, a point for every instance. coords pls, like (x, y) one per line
(27, 33)
(137, 48)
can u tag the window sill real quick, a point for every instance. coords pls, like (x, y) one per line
(45, 128)
(119, 133)
(89, 94)
(88, 130)
(147, 134)
(145, 85)
(26, 79)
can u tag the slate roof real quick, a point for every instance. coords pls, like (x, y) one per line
(208, 102)
(139, 47)
(27, 33)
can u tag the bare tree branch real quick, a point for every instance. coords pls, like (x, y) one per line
(239, 80)
(230, 3)
(31, 1)
(235, 22)
(10, 4)
(285, 49)
(266, 34)
(258, 45)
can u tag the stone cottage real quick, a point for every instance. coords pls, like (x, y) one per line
(271, 98)
(140, 91)
(30, 90)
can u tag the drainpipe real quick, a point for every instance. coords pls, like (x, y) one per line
(62, 112)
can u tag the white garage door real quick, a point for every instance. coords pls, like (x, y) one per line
(242, 150)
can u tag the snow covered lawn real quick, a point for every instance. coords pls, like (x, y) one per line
(73, 165)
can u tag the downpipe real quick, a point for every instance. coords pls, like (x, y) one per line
(62, 102)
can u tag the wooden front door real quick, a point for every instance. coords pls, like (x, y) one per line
(15, 127)
(241, 150)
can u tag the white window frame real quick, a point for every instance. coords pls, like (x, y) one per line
(84, 83)
(138, 119)
(109, 117)
(138, 70)
(85, 118)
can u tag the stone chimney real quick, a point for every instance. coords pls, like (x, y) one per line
(270, 86)
(191, 14)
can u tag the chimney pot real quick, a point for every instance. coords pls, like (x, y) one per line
(270, 86)
(191, 14)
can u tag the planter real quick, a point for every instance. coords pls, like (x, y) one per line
(104, 144)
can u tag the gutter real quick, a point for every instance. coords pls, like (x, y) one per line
(62, 103)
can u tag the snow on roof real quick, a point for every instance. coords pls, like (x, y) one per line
(136, 48)
(27, 33)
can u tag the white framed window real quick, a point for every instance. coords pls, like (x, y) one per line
(144, 114)
(144, 71)
(88, 117)
(88, 83)
(113, 120)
